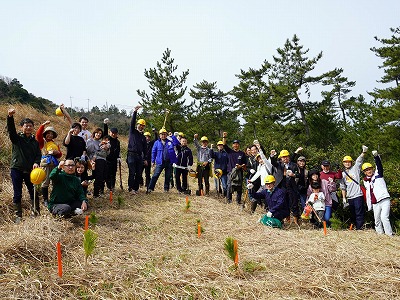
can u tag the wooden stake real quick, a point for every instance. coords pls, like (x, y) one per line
(198, 229)
(59, 259)
(86, 223)
(111, 196)
(235, 249)
(187, 201)
(324, 222)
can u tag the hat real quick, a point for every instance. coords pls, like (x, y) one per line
(147, 133)
(235, 141)
(312, 172)
(114, 130)
(326, 163)
(50, 128)
(220, 143)
(301, 158)
(204, 139)
(181, 134)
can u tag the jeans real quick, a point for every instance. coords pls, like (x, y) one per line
(356, 206)
(65, 210)
(381, 216)
(167, 167)
(135, 165)
(112, 167)
(303, 199)
(181, 186)
(328, 214)
(224, 182)
(18, 177)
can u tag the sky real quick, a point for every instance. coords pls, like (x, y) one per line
(88, 53)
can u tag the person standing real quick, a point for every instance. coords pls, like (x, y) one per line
(236, 164)
(136, 152)
(330, 176)
(185, 161)
(204, 159)
(50, 154)
(114, 158)
(25, 157)
(162, 157)
(75, 144)
(351, 190)
(221, 163)
(377, 195)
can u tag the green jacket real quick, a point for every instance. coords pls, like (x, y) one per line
(66, 188)
(25, 150)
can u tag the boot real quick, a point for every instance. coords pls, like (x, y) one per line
(253, 206)
(18, 212)
(45, 194)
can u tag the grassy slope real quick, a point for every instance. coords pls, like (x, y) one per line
(148, 249)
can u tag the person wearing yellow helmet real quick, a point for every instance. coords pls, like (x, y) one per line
(220, 157)
(351, 189)
(377, 195)
(285, 174)
(25, 157)
(184, 162)
(149, 147)
(204, 159)
(274, 199)
(137, 147)
(163, 156)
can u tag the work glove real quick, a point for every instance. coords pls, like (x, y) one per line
(118, 160)
(78, 211)
(176, 133)
(106, 120)
(374, 153)
(252, 171)
(83, 157)
(269, 214)
(364, 148)
(289, 173)
(345, 203)
(250, 186)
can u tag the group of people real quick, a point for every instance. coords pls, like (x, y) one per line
(280, 184)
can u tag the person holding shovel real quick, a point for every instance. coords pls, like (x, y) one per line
(25, 157)
(204, 159)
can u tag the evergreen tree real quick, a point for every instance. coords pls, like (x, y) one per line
(213, 111)
(167, 94)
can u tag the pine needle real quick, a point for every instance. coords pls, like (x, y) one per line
(229, 248)
(89, 242)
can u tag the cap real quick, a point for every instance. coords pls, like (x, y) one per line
(301, 158)
(235, 142)
(114, 130)
(326, 163)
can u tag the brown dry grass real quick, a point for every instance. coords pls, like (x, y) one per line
(148, 249)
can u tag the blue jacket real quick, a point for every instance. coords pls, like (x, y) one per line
(158, 150)
(220, 160)
(275, 202)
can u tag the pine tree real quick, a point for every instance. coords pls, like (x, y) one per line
(167, 94)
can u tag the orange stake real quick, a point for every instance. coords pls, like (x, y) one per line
(201, 192)
(59, 259)
(110, 196)
(351, 226)
(235, 250)
(324, 222)
(86, 223)
(198, 229)
(187, 200)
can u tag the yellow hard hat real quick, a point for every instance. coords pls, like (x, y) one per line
(147, 133)
(192, 173)
(218, 173)
(181, 134)
(59, 112)
(347, 158)
(141, 122)
(38, 175)
(269, 179)
(366, 166)
(283, 153)
(204, 138)
(162, 130)
(220, 143)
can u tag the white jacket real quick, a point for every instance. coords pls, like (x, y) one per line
(379, 188)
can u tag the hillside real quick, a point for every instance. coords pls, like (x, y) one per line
(148, 248)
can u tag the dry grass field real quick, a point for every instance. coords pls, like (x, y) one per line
(148, 248)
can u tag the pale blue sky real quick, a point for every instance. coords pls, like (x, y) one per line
(98, 50)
